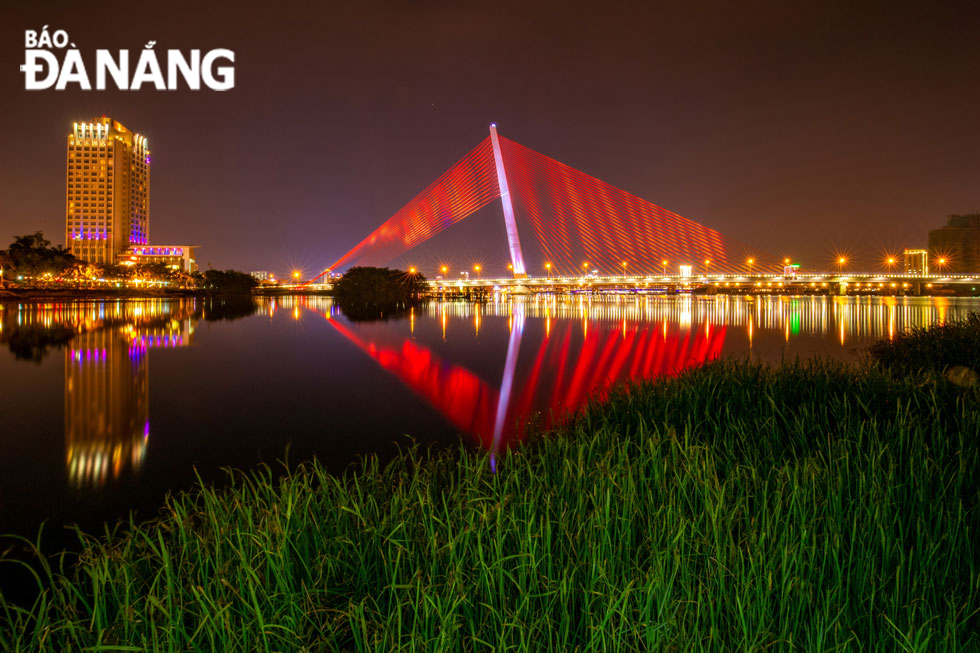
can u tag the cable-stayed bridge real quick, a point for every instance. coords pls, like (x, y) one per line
(567, 230)
(558, 220)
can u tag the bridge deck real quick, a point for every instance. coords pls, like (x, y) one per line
(729, 280)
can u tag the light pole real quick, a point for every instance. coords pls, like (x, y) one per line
(547, 266)
(890, 262)
(585, 267)
(624, 268)
(663, 264)
(510, 266)
(444, 270)
(750, 262)
(476, 268)
(707, 263)
(840, 264)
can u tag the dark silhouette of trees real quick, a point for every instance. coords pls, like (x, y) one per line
(231, 281)
(32, 256)
(369, 293)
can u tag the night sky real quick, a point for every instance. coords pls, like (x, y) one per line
(804, 129)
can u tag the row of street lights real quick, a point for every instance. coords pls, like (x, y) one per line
(890, 261)
(444, 269)
(841, 262)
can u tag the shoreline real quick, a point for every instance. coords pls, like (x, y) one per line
(812, 505)
(97, 294)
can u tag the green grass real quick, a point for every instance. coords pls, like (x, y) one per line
(933, 349)
(813, 507)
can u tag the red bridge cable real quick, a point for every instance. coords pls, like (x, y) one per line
(466, 187)
(575, 218)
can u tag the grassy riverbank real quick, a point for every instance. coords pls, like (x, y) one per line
(813, 507)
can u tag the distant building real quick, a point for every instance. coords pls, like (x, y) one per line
(260, 275)
(107, 195)
(175, 257)
(916, 261)
(957, 244)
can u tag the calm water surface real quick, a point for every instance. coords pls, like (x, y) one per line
(105, 406)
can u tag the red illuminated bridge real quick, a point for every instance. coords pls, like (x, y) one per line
(559, 221)
(568, 230)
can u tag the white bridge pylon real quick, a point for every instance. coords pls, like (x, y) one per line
(513, 239)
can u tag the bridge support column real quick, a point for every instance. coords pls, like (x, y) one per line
(513, 240)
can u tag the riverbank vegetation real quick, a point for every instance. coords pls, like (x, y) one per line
(367, 293)
(32, 267)
(812, 507)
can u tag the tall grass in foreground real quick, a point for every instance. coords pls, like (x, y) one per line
(810, 507)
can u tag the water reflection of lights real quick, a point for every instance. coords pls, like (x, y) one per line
(107, 421)
(854, 317)
(590, 343)
(107, 425)
(559, 374)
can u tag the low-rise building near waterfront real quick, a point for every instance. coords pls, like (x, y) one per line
(175, 257)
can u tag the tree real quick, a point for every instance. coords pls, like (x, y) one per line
(227, 281)
(365, 292)
(32, 255)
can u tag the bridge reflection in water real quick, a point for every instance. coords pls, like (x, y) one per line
(562, 372)
(589, 345)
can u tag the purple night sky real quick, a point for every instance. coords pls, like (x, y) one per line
(803, 128)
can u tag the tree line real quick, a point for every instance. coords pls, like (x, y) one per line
(32, 261)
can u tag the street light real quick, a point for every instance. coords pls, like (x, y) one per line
(476, 268)
(941, 263)
(411, 270)
(444, 269)
(840, 264)
(890, 262)
(585, 266)
(547, 266)
(624, 268)
(296, 274)
(663, 264)
(750, 262)
(707, 262)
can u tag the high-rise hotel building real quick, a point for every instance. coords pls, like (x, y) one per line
(107, 203)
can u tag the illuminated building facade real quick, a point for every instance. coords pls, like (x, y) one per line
(916, 261)
(176, 257)
(957, 244)
(107, 198)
